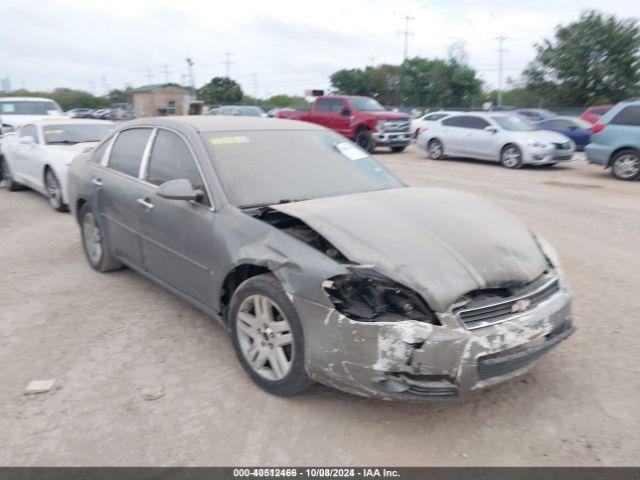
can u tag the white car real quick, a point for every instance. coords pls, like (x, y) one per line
(37, 156)
(420, 124)
(16, 111)
(497, 137)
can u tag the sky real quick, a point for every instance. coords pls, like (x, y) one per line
(273, 46)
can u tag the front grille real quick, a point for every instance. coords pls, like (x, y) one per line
(496, 366)
(486, 315)
(437, 392)
(562, 145)
(397, 126)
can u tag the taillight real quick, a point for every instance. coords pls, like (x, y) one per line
(598, 127)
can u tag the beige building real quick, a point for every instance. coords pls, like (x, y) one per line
(162, 99)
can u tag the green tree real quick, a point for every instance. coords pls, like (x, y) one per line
(67, 98)
(417, 82)
(120, 96)
(590, 61)
(221, 90)
(286, 101)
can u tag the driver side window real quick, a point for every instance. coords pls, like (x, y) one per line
(171, 159)
(29, 131)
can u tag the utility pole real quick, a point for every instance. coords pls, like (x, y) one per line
(105, 85)
(501, 51)
(406, 32)
(6, 85)
(226, 61)
(165, 72)
(149, 76)
(255, 84)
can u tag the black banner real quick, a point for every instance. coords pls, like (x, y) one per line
(320, 473)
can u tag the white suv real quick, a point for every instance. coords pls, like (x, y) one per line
(16, 111)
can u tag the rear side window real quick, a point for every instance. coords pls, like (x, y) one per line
(454, 121)
(627, 116)
(98, 153)
(171, 159)
(126, 154)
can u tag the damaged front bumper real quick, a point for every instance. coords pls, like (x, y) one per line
(413, 360)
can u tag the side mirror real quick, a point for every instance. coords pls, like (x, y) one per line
(180, 189)
(27, 139)
(490, 129)
(345, 112)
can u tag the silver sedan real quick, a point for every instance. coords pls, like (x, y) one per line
(497, 137)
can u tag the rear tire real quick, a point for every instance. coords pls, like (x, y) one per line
(265, 329)
(93, 244)
(365, 140)
(626, 165)
(7, 178)
(398, 149)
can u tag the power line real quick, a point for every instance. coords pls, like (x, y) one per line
(501, 51)
(149, 76)
(226, 61)
(406, 32)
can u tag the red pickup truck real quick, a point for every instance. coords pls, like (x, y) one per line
(362, 119)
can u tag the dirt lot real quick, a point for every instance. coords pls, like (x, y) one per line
(115, 342)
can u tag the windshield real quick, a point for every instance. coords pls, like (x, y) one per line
(271, 166)
(365, 104)
(512, 123)
(10, 107)
(75, 133)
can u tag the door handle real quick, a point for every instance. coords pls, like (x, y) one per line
(97, 182)
(145, 203)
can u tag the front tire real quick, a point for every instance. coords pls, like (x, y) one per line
(54, 191)
(267, 336)
(365, 140)
(626, 165)
(511, 156)
(7, 178)
(93, 244)
(435, 149)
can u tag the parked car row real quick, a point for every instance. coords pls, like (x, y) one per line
(322, 264)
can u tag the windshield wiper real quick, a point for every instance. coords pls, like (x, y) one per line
(62, 142)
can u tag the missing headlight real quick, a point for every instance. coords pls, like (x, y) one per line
(366, 295)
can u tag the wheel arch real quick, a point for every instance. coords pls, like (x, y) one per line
(233, 279)
(618, 150)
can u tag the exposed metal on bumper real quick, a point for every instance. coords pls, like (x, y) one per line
(392, 138)
(412, 360)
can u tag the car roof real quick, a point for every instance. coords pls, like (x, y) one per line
(220, 123)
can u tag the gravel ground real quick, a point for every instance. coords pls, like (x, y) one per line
(141, 378)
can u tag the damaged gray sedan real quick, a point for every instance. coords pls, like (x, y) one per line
(323, 265)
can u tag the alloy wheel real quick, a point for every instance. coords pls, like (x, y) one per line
(435, 149)
(53, 189)
(511, 157)
(265, 337)
(627, 166)
(91, 238)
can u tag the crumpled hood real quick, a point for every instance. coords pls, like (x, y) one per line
(442, 243)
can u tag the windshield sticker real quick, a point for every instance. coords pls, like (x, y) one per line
(229, 140)
(53, 132)
(351, 151)
(8, 107)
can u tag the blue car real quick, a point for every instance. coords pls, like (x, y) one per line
(615, 140)
(576, 129)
